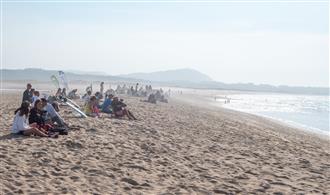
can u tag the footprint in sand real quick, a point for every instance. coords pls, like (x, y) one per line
(73, 144)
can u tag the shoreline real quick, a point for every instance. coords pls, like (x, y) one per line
(292, 124)
(207, 102)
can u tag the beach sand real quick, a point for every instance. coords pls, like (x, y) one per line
(175, 148)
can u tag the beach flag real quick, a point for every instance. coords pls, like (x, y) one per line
(55, 81)
(63, 79)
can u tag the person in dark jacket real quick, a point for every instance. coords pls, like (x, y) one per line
(36, 114)
(119, 109)
(27, 94)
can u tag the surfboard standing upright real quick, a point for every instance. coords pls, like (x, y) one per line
(63, 80)
(55, 81)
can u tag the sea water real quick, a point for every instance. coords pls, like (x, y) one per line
(304, 111)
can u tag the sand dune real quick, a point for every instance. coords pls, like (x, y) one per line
(173, 148)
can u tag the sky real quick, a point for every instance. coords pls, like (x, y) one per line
(247, 42)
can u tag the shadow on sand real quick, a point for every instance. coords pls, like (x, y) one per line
(12, 136)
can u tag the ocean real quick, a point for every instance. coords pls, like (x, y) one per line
(304, 111)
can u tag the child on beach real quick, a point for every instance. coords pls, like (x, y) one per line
(35, 97)
(91, 108)
(21, 125)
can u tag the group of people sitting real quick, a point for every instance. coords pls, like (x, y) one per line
(111, 105)
(62, 93)
(134, 91)
(39, 116)
(36, 116)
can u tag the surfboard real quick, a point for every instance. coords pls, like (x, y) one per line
(63, 80)
(72, 102)
(55, 81)
(76, 109)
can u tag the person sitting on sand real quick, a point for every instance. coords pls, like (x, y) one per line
(27, 94)
(158, 95)
(87, 97)
(118, 89)
(91, 108)
(63, 93)
(52, 113)
(36, 113)
(35, 97)
(152, 99)
(119, 109)
(163, 99)
(58, 92)
(98, 96)
(36, 116)
(72, 94)
(21, 125)
(106, 106)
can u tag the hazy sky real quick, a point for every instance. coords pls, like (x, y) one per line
(271, 43)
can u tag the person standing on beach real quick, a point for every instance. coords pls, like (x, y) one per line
(102, 88)
(27, 94)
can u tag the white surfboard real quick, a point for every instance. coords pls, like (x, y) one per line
(76, 109)
(73, 103)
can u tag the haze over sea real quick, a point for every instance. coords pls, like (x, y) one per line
(305, 111)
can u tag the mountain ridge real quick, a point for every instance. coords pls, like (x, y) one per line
(44, 75)
(184, 74)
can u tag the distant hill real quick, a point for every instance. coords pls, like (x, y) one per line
(44, 75)
(188, 75)
(186, 78)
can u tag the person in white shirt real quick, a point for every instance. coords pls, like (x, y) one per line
(87, 96)
(55, 117)
(35, 97)
(21, 125)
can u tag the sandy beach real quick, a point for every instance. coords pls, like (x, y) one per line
(175, 148)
